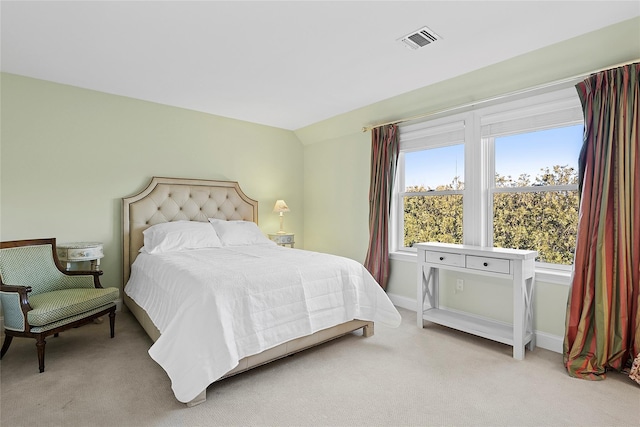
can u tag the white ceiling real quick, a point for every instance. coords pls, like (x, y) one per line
(283, 64)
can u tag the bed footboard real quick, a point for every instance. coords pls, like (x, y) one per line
(367, 330)
(275, 353)
(292, 347)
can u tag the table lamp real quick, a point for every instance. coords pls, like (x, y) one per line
(281, 207)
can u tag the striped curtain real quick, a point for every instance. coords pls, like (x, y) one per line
(603, 319)
(384, 159)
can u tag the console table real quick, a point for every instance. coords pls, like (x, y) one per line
(514, 264)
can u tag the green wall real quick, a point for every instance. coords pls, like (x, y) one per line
(69, 155)
(336, 203)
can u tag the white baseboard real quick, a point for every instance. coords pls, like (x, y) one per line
(543, 339)
(402, 302)
(549, 341)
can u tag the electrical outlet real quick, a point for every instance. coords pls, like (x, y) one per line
(459, 285)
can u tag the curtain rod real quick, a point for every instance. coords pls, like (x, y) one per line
(498, 97)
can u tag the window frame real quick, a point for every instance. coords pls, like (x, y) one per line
(418, 138)
(555, 107)
(493, 190)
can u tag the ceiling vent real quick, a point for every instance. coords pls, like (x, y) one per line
(419, 38)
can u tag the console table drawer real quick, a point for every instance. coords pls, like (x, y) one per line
(495, 265)
(445, 258)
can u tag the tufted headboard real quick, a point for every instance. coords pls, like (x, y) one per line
(175, 199)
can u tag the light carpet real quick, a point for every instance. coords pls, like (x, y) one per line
(399, 377)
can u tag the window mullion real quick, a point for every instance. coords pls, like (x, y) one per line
(472, 223)
(536, 189)
(489, 189)
(432, 193)
(396, 227)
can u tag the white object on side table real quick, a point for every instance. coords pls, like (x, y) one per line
(80, 251)
(514, 264)
(282, 239)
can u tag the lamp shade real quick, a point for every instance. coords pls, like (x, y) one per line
(280, 206)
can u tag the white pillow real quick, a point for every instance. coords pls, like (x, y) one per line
(239, 233)
(179, 236)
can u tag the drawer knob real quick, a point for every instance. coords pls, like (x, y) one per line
(441, 258)
(486, 264)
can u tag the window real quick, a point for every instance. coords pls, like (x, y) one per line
(535, 202)
(504, 175)
(431, 185)
(434, 184)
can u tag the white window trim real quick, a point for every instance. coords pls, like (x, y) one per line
(562, 104)
(414, 137)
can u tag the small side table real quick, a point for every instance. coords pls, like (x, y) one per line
(80, 251)
(283, 239)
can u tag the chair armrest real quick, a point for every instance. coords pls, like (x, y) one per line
(22, 290)
(23, 299)
(95, 273)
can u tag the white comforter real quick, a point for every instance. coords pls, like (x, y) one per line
(214, 307)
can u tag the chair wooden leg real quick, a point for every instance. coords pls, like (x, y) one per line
(5, 345)
(112, 322)
(40, 343)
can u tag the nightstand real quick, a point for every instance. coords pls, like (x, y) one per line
(282, 239)
(80, 251)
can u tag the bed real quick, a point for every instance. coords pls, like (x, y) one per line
(209, 310)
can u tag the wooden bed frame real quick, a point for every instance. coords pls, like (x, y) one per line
(174, 199)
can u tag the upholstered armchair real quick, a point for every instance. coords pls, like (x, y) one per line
(39, 298)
